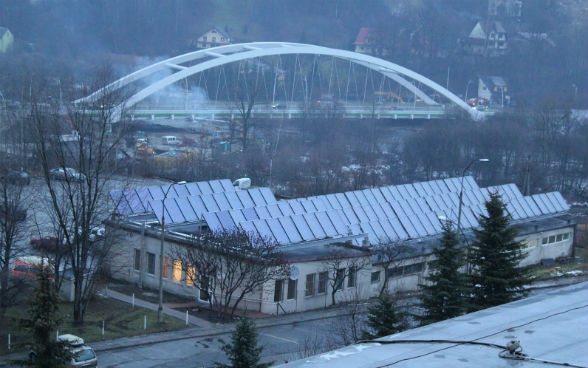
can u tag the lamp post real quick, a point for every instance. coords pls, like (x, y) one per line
(459, 208)
(160, 306)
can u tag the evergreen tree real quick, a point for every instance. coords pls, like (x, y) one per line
(384, 318)
(443, 294)
(496, 276)
(44, 318)
(243, 351)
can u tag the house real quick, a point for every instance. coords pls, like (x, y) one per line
(494, 89)
(212, 38)
(488, 39)
(505, 8)
(351, 228)
(370, 41)
(6, 40)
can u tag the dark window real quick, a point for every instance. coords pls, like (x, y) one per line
(137, 259)
(279, 291)
(352, 277)
(323, 278)
(291, 289)
(309, 291)
(375, 277)
(339, 278)
(151, 263)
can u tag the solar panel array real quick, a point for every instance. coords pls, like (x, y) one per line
(384, 214)
(136, 201)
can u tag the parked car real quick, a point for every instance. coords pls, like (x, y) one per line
(16, 177)
(66, 174)
(46, 243)
(82, 354)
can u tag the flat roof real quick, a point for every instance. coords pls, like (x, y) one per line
(552, 326)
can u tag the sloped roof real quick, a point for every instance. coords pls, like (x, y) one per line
(362, 36)
(385, 214)
(548, 326)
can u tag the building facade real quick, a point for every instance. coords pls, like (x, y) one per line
(331, 243)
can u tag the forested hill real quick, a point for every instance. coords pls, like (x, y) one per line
(424, 35)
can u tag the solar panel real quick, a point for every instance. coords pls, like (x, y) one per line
(278, 231)
(369, 195)
(343, 200)
(198, 206)
(264, 231)
(245, 198)
(262, 212)
(227, 221)
(308, 206)
(326, 224)
(290, 229)
(237, 216)
(339, 222)
(221, 201)
(257, 197)
(319, 204)
(408, 226)
(370, 213)
(352, 199)
(210, 203)
(314, 225)
(359, 194)
(303, 227)
(297, 207)
(204, 187)
(250, 214)
(213, 222)
(234, 200)
(267, 195)
(249, 228)
(333, 201)
(285, 208)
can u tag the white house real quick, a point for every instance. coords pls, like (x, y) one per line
(321, 236)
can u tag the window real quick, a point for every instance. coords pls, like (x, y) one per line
(323, 278)
(291, 289)
(177, 270)
(166, 267)
(151, 263)
(339, 278)
(137, 259)
(204, 288)
(352, 277)
(375, 277)
(309, 291)
(552, 239)
(190, 275)
(566, 236)
(279, 291)
(559, 237)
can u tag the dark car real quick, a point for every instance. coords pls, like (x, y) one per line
(66, 174)
(16, 177)
(46, 243)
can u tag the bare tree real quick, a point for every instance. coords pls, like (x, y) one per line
(226, 266)
(387, 255)
(81, 145)
(344, 267)
(13, 214)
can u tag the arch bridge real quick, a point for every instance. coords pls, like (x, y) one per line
(280, 79)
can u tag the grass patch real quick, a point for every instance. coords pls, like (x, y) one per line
(119, 318)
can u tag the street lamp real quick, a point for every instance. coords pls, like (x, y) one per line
(461, 191)
(160, 307)
(461, 198)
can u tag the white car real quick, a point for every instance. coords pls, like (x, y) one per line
(83, 355)
(66, 174)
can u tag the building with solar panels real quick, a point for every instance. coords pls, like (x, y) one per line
(311, 232)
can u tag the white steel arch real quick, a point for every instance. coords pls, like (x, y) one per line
(222, 55)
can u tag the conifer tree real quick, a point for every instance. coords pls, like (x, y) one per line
(243, 351)
(496, 276)
(44, 318)
(443, 293)
(384, 318)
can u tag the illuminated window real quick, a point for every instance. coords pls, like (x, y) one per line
(190, 275)
(177, 270)
(166, 267)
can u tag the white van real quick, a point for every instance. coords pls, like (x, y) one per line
(170, 139)
(242, 183)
